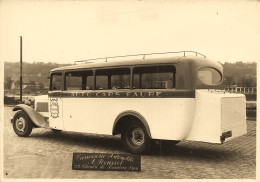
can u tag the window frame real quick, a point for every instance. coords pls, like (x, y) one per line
(110, 75)
(131, 74)
(62, 80)
(174, 71)
(215, 69)
(80, 70)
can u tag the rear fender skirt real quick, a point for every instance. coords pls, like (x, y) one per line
(134, 114)
(35, 117)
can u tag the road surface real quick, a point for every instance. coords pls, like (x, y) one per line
(45, 154)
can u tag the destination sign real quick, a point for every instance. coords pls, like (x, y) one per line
(106, 162)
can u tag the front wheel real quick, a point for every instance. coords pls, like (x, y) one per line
(135, 138)
(22, 124)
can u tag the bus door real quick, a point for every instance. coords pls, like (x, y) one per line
(78, 84)
(56, 102)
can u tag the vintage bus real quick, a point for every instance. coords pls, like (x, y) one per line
(170, 98)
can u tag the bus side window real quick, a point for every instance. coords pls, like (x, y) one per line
(90, 82)
(73, 80)
(154, 77)
(120, 79)
(101, 82)
(113, 79)
(78, 80)
(137, 81)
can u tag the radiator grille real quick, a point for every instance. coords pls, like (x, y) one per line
(42, 107)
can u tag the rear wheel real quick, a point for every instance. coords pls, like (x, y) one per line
(135, 138)
(22, 124)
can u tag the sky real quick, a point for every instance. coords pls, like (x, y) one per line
(68, 31)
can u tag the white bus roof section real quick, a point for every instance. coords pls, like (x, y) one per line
(130, 62)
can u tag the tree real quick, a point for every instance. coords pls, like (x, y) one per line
(228, 80)
(247, 82)
(17, 84)
(8, 83)
(32, 82)
(41, 86)
(239, 73)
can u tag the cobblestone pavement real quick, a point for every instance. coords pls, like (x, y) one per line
(45, 154)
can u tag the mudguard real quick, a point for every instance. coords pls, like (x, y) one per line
(135, 114)
(38, 119)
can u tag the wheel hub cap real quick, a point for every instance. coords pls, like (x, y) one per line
(137, 136)
(20, 124)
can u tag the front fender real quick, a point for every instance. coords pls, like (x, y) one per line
(35, 117)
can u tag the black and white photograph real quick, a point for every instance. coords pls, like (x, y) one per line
(127, 89)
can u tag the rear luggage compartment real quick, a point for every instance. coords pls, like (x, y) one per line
(219, 116)
(233, 116)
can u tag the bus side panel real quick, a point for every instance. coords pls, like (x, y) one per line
(168, 118)
(175, 116)
(206, 126)
(56, 111)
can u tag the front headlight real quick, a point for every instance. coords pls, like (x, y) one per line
(30, 103)
(33, 103)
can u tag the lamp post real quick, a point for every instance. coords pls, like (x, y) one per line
(21, 68)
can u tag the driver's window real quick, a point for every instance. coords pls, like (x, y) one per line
(56, 81)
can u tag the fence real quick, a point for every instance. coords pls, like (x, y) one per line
(26, 92)
(244, 90)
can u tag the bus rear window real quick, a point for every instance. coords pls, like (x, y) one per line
(209, 76)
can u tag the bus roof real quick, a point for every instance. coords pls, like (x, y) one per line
(133, 62)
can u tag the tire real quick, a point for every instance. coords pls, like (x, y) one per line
(22, 124)
(135, 138)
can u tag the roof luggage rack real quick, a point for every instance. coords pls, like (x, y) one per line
(106, 58)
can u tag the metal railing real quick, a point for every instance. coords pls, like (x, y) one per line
(111, 57)
(245, 90)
